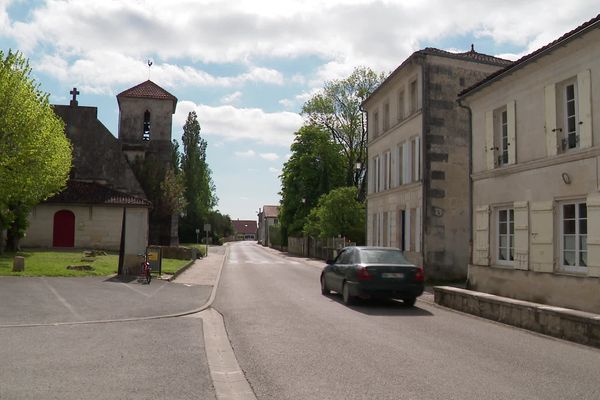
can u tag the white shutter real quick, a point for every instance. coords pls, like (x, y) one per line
(407, 223)
(406, 160)
(490, 149)
(550, 118)
(584, 89)
(418, 230)
(521, 235)
(399, 166)
(593, 234)
(417, 157)
(542, 236)
(481, 246)
(511, 123)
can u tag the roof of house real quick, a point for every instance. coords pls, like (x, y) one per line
(244, 226)
(79, 192)
(271, 211)
(148, 90)
(593, 23)
(471, 56)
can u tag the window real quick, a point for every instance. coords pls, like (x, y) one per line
(401, 229)
(146, 128)
(407, 162)
(375, 124)
(501, 136)
(400, 165)
(413, 97)
(573, 236)
(386, 116)
(503, 139)
(401, 105)
(571, 135)
(387, 170)
(376, 174)
(416, 156)
(506, 236)
(386, 231)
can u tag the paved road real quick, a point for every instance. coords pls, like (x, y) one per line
(294, 343)
(48, 350)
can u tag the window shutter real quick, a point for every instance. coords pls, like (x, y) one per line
(511, 123)
(584, 88)
(417, 158)
(593, 238)
(481, 246)
(406, 159)
(550, 117)
(490, 153)
(407, 223)
(521, 235)
(542, 236)
(418, 230)
(400, 166)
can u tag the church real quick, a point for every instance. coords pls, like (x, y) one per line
(104, 203)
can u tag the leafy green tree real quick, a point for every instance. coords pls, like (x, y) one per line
(338, 213)
(35, 154)
(315, 167)
(221, 226)
(337, 109)
(199, 186)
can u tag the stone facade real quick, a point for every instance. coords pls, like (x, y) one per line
(536, 199)
(418, 158)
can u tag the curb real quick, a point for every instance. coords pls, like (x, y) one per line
(182, 270)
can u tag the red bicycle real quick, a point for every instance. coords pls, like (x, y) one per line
(146, 270)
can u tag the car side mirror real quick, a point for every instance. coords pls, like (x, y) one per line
(330, 262)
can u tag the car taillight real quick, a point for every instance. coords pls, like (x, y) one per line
(363, 274)
(420, 275)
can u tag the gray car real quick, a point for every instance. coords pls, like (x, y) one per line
(373, 272)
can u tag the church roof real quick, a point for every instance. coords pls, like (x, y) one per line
(244, 226)
(148, 90)
(78, 192)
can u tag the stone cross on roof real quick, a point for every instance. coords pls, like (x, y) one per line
(74, 92)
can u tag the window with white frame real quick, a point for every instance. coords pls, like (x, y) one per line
(505, 223)
(386, 117)
(414, 97)
(570, 137)
(416, 156)
(375, 124)
(501, 118)
(401, 111)
(500, 136)
(573, 236)
(387, 170)
(376, 174)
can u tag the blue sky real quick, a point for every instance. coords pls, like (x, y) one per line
(247, 66)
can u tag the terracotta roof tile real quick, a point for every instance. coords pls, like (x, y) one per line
(591, 24)
(78, 192)
(148, 90)
(244, 226)
(271, 211)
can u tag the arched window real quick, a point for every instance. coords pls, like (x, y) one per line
(146, 132)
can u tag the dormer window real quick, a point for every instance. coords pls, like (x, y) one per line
(146, 130)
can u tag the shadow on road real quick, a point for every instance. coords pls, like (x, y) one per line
(384, 307)
(121, 279)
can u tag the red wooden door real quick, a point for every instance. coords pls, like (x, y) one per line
(63, 233)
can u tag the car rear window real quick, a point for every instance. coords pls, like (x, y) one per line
(382, 256)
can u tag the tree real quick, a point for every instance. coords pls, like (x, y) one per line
(338, 213)
(337, 109)
(35, 154)
(315, 167)
(199, 187)
(221, 226)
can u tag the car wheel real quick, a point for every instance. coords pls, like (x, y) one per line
(324, 289)
(409, 302)
(346, 297)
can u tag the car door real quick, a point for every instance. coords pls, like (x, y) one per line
(339, 269)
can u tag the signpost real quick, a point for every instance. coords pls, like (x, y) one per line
(206, 229)
(197, 233)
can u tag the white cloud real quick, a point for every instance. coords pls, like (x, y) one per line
(231, 98)
(269, 156)
(275, 171)
(248, 153)
(231, 124)
(341, 32)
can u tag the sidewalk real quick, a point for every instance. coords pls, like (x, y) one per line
(204, 271)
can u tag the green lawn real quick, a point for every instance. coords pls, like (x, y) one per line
(54, 263)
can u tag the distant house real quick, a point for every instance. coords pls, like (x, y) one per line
(244, 229)
(418, 156)
(535, 153)
(269, 216)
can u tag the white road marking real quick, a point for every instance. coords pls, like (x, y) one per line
(63, 300)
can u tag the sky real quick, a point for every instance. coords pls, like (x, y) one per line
(247, 66)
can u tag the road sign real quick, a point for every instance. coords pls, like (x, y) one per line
(206, 227)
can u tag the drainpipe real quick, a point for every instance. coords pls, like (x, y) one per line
(365, 125)
(470, 171)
